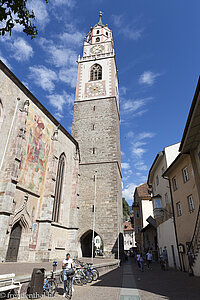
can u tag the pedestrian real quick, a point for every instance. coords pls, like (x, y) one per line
(141, 263)
(138, 260)
(165, 258)
(149, 259)
(66, 265)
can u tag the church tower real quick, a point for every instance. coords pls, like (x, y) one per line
(96, 128)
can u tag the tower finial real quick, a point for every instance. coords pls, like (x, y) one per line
(100, 16)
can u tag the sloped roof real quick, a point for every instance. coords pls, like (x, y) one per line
(127, 226)
(143, 191)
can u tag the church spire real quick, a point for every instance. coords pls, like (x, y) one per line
(100, 19)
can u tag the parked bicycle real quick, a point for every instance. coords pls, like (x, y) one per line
(50, 285)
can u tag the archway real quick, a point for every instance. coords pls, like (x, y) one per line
(86, 243)
(14, 242)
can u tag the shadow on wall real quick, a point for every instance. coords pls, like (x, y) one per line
(121, 247)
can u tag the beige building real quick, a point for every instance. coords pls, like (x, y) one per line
(185, 201)
(96, 128)
(39, 165)
(190, 144)
(129, 236)
(142, 210)
(162, 204)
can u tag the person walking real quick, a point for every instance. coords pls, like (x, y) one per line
(141, 263)
(149, 259)
(138, 260)
(165, 258)
(67, 265)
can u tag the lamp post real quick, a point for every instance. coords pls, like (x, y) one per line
(94, 209)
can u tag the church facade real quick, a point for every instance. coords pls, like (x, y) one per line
(59, 191)
(39, 167)
(96, 128)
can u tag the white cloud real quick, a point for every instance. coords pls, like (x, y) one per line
(145, 135)
(138, 143)
(69, 76)
(43, 77)
(125, 166)
(39, 8)
(22, 51)
(69, 3)
(130, 134)
(133, 105)
(122, 153)
(128, 30)
(128, 191)
(72, 39)
(140, 166)
(148, 77)
(59, 101)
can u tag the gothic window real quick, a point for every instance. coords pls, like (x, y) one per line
(97, 31)
(96, 72)
(106, 33)
(58, 189)
(97, 39)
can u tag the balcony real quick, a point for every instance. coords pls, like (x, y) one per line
(158, 213)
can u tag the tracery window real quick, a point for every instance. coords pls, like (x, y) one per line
(58, 188)
(96, 72)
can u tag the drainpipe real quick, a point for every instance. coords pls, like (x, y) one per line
(170, 188)
(9, 134)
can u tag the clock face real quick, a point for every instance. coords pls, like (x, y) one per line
(97, 49)
(95, 89)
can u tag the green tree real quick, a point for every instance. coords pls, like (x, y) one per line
(14, 12)
(126, 211)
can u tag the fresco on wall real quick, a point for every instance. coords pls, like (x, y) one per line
(35, 153)
(34, 235)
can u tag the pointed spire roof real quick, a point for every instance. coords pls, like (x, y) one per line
(100, 19)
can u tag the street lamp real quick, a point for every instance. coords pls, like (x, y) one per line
(94, 207)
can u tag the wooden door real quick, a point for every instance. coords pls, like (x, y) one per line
(14, 242)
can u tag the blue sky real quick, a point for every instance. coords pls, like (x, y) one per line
(157, 49)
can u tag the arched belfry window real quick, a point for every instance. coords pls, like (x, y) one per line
(58, 188)
(95, 72)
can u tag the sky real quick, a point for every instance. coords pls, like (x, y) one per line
(157, 50)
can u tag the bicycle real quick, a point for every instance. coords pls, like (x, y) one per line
(50, 285)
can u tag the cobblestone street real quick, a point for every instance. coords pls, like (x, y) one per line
(128, 283)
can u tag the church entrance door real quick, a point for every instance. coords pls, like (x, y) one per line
(14, 242)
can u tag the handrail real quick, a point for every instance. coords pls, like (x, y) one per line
(193, 244)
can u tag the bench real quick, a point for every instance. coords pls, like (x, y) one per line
(8, 283)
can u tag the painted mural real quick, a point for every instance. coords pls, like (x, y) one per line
(35, 153)
(34, 235)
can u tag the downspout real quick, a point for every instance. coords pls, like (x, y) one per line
(9, 134)
(170, 187)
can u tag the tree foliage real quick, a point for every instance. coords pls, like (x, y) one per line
(126, 211)
(14, 12)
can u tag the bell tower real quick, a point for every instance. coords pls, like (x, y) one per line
(96, 128)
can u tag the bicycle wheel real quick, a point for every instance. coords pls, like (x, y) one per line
(88, 276)
(95, 275)
(78, 278)
(96, 271)
(52, 287)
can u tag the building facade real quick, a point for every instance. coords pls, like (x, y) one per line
(185, 201)
(129, 236)
(96, 128)
(162, 204)
(39, 165)
(190, 144)
(142, 209)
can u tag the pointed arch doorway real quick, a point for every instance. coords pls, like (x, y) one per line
(86, 243)
(14, 242)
